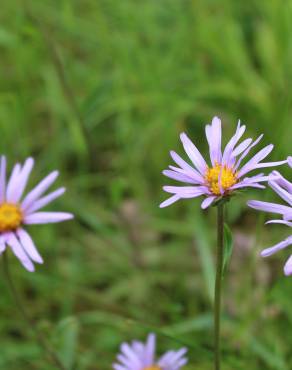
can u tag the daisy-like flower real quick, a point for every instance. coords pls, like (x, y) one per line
(226, 173)
(140, 356)
(17, 211)
(283, 188)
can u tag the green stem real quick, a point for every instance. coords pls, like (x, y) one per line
(218, 286)
(42, 341)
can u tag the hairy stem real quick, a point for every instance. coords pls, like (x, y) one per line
(41, 339)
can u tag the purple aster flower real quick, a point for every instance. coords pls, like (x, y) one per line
(283, 188)
(17, 210)
(140, 356)
(226, 174)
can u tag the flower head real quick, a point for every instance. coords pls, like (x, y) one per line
(224, 175)
(17, 210)
(140, 356)
(283, 188)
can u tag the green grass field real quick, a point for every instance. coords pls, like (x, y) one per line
(101, 89)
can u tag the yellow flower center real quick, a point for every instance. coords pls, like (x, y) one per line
(154, 367)
(228, 178)
(10, 217)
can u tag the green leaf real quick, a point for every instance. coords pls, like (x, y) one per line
(228, 247)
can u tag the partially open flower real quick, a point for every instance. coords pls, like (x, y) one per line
(224, 175)
(283, 188)
(17, 211)
(140, 356)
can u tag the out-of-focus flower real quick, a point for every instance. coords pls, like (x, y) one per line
(140, 356)
(283, 188)
(226, 173)
(17, 211)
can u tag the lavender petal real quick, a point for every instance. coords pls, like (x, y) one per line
(42, 202)
(283, 244)
(194, 154)
(28, 245)
(2, 179)
(47, 217)
(288, 267)
(35, 193)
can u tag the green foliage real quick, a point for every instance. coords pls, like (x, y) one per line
(101, 91)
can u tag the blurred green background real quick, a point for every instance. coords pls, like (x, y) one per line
(101, 90)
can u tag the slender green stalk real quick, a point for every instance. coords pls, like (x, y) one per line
(218, 286)
(41, 340)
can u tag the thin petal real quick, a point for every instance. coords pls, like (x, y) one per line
(283, 244)
(279, 222)
(42, 202)
(288, 267)
(282, 192)
(241, 147)
(21, 181)
(280, 180)
(186, 191)
(254, 161)
(245, 153)
(169, 201)
(269, 207)
(194, 154)
(12, 182)
(231, 144)
(214, 134)
(207, 202)
(2, 179)
(179, 177)
(28, 246)
(47, 217)
(188, 169)
(35, 193)
(19, 252)
(150, 350)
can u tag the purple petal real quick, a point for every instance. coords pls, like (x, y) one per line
(186, 191)
(20, 182)
(46, 217)
(194, 154)
(119, 367)
(280, 180)
(288, 216)
(42, 202)
(268, 207)
(186, 168)
(35, 193)
(283, 244)
(242, 184)
(28, 246)
(12, 182)
(253, 162)
(280, 191)
(245, 153)
(2, 179)
(231, 144)
(288, 267)
(279, 222)
(207, 202)
(241, 147)
(129, 352)
(19, 252)
(150, 350)
(179, 177)
(214, 134)
(169, 201)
